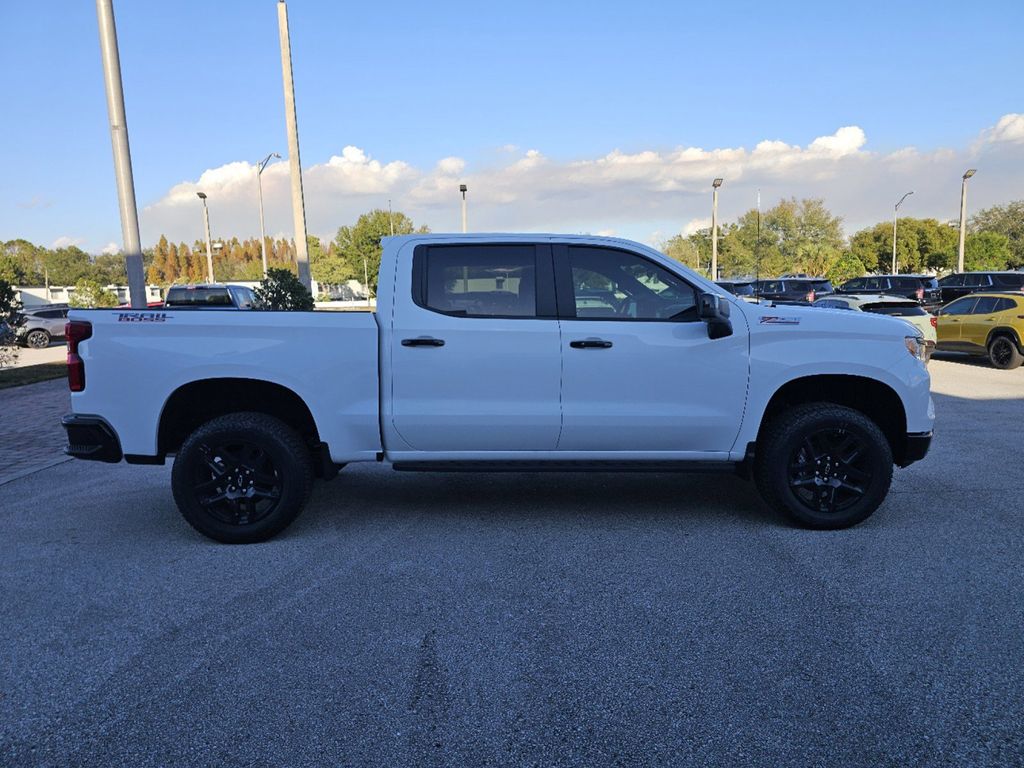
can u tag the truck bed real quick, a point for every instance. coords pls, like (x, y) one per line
(135, 360)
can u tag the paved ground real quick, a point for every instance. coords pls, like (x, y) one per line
(30, 432)
(468, 620)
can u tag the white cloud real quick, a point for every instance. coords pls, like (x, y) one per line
(66, 241)
(633, 193)
(1009, 128)
(111, 248)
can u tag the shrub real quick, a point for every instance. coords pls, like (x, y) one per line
(281, 289)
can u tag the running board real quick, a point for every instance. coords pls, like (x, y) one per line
(564, 466)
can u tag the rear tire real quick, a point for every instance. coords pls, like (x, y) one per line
(823, 466)
(37, 339)
(242, 478)
(1003, 353)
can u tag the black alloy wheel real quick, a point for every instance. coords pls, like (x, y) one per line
(830, 470)
(242, 477)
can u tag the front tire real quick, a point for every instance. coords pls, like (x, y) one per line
(1003, 353)
(823, 466)
(38, 339)
(242, 478)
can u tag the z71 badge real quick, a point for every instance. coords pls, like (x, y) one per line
(141, 317)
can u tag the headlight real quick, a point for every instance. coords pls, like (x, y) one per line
(915, 346)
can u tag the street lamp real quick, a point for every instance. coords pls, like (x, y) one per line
(259, 190)
(963, 218)
(209, 245)
(895, 212)
(462, 189)
(714, 227)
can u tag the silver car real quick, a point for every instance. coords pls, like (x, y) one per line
(908, 310)
(38, 326)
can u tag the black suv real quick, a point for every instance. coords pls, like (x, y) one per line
(923, 288)
(962, 283)
(792, 290)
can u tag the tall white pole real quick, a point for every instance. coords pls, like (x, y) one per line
(263, 233)
(122, 154)
(963, 222)
(895, 213)
(714, 228)
(462, 189)
(209, 243)
(298, 204)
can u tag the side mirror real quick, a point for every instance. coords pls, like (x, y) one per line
(714, 310)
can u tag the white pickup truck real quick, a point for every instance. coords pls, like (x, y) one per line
(511, 353)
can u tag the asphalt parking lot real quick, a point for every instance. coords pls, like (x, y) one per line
(591, 619)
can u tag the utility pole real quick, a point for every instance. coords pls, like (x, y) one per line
(259, 192)
(122, 154)
(391, 219)
(209, 243)
(462, 189)
(714, 228)
(963, 218)
(298, 204)
(895, 213)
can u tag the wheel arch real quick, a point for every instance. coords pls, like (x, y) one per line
(1005, 330)
(875, 399)
(196, 402)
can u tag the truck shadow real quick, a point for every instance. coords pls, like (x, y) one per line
(537, 496)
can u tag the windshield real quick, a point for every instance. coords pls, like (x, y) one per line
(198, 297)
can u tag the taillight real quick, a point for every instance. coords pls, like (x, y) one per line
(920, 293)
(934, 321)
(76, 331)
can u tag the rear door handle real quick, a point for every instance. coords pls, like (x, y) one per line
(423, 341)
(590, 344)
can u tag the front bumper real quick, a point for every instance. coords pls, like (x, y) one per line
(92, 438)
(916, 447)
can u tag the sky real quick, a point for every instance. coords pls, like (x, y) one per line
(560, 117)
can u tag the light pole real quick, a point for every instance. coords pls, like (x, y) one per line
(462, 189)
(391, 218)
(963, 218)
(259, 191)
(209, 244)
(895, 212)
(122, 154)
(714, 227)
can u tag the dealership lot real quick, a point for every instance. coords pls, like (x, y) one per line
(527, 619)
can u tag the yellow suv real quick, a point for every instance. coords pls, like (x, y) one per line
(984, 324)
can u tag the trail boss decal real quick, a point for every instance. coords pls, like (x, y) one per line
(141, 317)
(777, 320)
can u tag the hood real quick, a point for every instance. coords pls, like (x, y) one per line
(818, 321)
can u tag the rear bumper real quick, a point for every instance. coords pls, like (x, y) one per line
(92, 438)
(916, 447)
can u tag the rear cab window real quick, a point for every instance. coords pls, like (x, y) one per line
(198, 297)
(895, 309)
(485, 280)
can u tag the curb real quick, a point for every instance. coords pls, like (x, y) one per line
(5, 479)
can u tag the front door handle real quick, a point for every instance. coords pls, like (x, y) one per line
(423, 341)
(590, 344)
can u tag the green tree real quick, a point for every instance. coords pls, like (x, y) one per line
(1005, 220)
(921, 245)
(986, 251)
(9, 306)
(90, 293)
(281, 289)
(359, 245)
(66, 266)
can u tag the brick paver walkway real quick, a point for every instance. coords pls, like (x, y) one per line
(31, 436)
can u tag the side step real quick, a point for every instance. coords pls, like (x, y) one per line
(564, 466)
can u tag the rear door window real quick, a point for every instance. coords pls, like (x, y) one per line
(952, 281)
(478, 280)
(1015, 280)
(977, 281)
(1005, 305)
(856, 284)
(986, 306)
